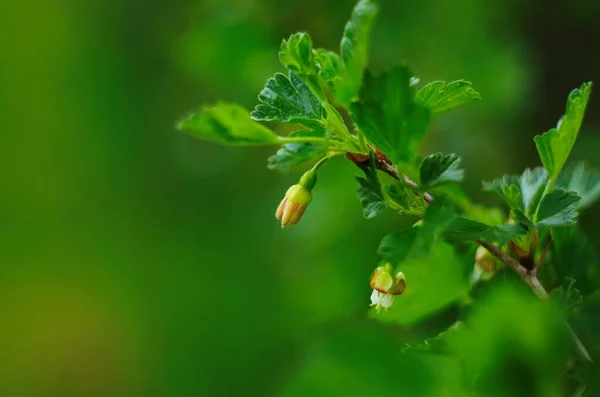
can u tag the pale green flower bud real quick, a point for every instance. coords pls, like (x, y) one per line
(296, 200)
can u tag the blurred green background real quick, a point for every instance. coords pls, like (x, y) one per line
(139, 261)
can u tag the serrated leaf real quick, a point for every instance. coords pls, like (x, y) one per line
(296, 54)
(463, 229)
(417, 241)
(566, 295)
(558, 208)
(440, 97)
(405, 199)
(354, 50)
(584, 181)
(519, 217)
(555, 145)
(294, 154)
(520, 192)
(437, 169)
(228, 124)
(369, 191)
(387, 115)
(508, 189)
(329, 67)
(288, 100)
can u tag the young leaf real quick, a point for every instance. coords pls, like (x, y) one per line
(406, 200)
(296, 54)
(437, 169)
(558, 208)
(387, 115)
(508, 189)
(354, 50)
(583, 181)
(566, 295)
(369, 191)
(288, 100)
(294, 154)
(228, 124)
(329, 67)
(555, 145)
(440, 97)
(532, 183)
(463, 229)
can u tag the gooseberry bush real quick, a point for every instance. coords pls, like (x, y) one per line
(377, 121)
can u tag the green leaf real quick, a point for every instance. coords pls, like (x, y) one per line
(583, 181)
(288, 100)
(296, 54)
(573, 255)
(555, 145)
(463, 229)
(228, 124)
(566, 295)
(294, 154)
(354, 50)
(329, 67)
(405, 199)
(441, 97)
(387, 115)
(437, 169)
(417, 241)
(369, 191)
(558, 208)
(520, 192)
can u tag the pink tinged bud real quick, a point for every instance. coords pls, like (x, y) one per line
(293, 205)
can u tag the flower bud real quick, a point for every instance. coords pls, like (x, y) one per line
(386, 287)
(485, 265)
(296, 200)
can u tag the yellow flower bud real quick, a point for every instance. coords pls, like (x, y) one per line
(293, 205)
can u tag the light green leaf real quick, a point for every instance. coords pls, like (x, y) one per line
(437, 169)
(288, 100)
(369, 191)
(558, 208)
(584, 181)
(508, 189)
(387, 115)
(532, 183)
(463, 229)
(294, 154)
(228, 124)
(440, 97)
(296, 54)
(354, 50)
(329, 67)
(555, 145)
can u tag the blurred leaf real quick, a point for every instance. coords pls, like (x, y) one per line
(566, 295)
(463, 229)
(416, 241)
(369, 191)
(354, 50)
(329, 67)
(519, 217)
(555, 145)
(433, 281)
(228, 124)
(288, 100)
(387, 115)
(437, 169)
(583, 181)
(558, 208)
(507, 188)
(520, 192)
(406, 200)
(296, 54)
(440, 97)
(573, 255)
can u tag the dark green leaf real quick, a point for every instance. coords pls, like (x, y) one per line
(519, 217)
(288, 100)
(573, 255)
(558, 208)
(296, 54)
(440, 97)
(463, 229)
(437, 169)
(405, 199)
(566, 295)
(555, 145)
(228, 124)
(508, 189)
(387, 115)
(294, 154)
(583, 181)
(369, 191)
(354, 50)
(520, 192)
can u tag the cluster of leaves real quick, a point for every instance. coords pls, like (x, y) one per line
(389, 118)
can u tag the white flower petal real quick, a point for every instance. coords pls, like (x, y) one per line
(375, 297)
(387, 300)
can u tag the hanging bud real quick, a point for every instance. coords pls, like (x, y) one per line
(386, 287)
(485, 265)
(296, 199)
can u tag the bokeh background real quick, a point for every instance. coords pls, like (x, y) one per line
(136, 260)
